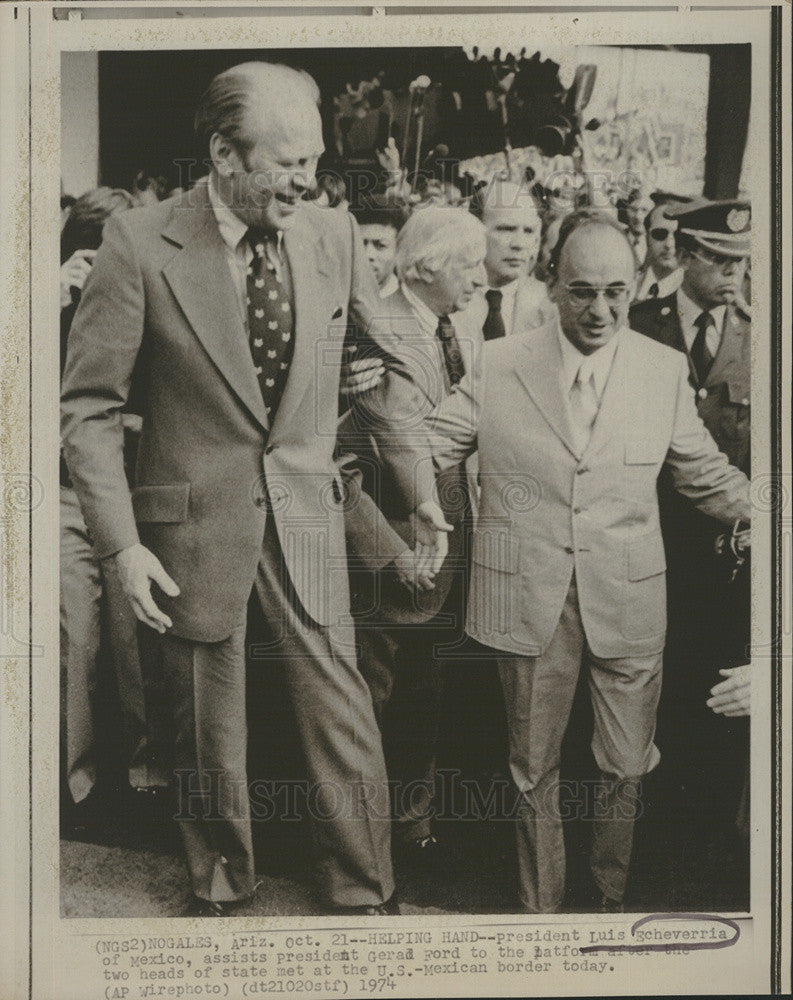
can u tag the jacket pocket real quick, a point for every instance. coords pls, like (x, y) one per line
(161, 504)
(646, 557)
(641, 452)
(496, 550)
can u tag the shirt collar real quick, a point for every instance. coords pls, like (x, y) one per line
(690, 312)
(425, 315)
(390, 286)
(599, 362)
(508, 291)
(232, 229)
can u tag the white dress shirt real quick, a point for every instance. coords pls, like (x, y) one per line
(666, 285)
(689, 312)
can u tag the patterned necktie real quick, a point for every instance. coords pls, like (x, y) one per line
(270, 323)
(583, 404)
(493, 326)
(455, 367)
(700, 355)
(652, 292)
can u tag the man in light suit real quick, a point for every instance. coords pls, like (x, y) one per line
(231, 302)
(513, 300)
(573, 423)
(406, 632)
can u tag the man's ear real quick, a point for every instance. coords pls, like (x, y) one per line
(222, 154)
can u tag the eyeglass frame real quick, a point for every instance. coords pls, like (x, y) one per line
(574, 288)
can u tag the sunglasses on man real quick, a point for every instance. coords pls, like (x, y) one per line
(660, 234)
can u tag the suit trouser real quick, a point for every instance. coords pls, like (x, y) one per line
(92, 606)
(538, 694)
(347, 793)
(403, 665)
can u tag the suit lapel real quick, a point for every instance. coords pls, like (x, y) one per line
(199, 278)
(540, 376)
(408, 331)
(310, 267)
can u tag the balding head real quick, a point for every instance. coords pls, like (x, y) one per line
(247, 100)
(592, 279)
(264, 134)
(513, 226)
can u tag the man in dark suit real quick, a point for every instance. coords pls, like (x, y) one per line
(707, 645)
(660, 274)
(233, 301)
(406, 632)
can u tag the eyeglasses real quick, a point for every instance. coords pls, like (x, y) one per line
(584, 294)
(716, 259)
(658, 233)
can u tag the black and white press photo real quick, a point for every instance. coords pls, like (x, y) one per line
(300, 675)
(405, 561)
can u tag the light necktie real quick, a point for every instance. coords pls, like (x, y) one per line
(583, 403)
(700, 355)
(493, 327)
(270, 323)
(455, 367)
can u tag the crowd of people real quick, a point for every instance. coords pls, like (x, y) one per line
(400, 425)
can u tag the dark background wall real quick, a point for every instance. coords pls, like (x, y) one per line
(147, 101)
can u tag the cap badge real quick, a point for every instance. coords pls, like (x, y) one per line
(737, 219)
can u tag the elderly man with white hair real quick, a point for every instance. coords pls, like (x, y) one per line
(408, 622)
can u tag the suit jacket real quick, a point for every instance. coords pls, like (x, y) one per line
(378, 596)
(724, 398)
(547, 510)
(160, 294)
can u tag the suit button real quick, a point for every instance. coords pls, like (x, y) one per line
(702, 393)
(259, 501)
(576, 510)
(569, 549)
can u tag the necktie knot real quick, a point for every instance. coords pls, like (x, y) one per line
(584, 373)
(445, 328)
(494, 297)
(703, 321)
(257, 239)
(653, 290)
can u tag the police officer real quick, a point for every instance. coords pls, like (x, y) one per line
(708, 631)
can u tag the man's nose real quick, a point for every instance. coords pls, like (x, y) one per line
(600, 307)
(301, 179)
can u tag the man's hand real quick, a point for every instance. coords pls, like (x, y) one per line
(431, 529)
(361, 375)
(410, 571)
(138, 568)
(732, 697)
(74, 272)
